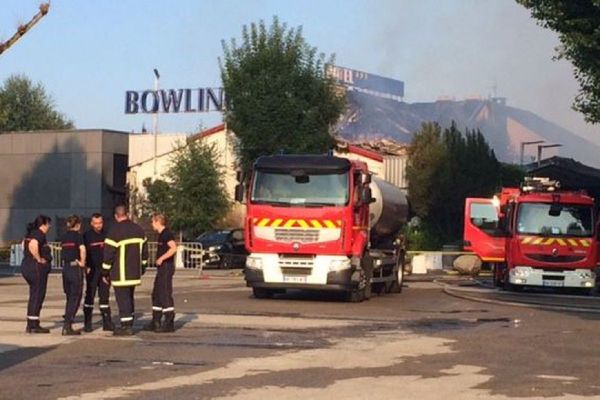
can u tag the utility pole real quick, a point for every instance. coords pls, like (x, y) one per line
(544, 146)
(23, 29)
(523, 144)
(155, 122)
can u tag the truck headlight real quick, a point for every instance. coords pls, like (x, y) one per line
(254, 263)
(338, 265)
(586, 274)
(521, 271)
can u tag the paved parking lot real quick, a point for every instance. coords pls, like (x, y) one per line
(420, 344)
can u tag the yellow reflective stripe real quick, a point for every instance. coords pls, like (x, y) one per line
(549, 241)
(263, 222)
(106, 266)
(277, 222)
(585, 243)
(132, 241)
(538, 241)
(131, 282)
(561, 242)
(329, 224)
(527, 240)
(289, 223)
(573, 242)
(303, 223)
(316, 224)
(111, 242)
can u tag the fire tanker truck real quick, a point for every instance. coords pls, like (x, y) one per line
(323, 223)
(535, 235)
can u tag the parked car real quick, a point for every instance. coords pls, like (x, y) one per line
(223, 248)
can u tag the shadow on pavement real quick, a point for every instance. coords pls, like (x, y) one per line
(18, 355)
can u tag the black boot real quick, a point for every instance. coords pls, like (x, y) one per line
(107, 324)
(169, 324)
(69, 331)
(154, 325)
(87, 319)
(33, 326)
(126, 329)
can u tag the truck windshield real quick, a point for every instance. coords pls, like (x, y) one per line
(560, 220)
(305, 190)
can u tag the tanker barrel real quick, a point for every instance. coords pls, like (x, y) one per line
(389, 212)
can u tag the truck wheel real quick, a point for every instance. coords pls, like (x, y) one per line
(396, 285)
(262, 293)
(355, 295)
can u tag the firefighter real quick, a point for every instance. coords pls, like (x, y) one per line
(73, 255)
(125, 259)
(162, 293)
(35, 269)
(94, 244)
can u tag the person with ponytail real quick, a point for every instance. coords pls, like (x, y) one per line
(35, 269)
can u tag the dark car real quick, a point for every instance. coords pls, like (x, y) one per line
(223, 248)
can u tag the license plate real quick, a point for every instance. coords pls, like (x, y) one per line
(294, 279)
(554, 283)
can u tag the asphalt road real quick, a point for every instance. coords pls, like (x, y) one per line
(420, 344)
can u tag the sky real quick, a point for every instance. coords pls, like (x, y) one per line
(88, 53)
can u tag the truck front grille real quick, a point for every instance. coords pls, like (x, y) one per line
(552, 259)
(297, 235)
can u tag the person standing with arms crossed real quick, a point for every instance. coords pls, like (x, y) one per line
(35, 268)
(162, 293)
(73, 256)
(125, 260)
(94, 245)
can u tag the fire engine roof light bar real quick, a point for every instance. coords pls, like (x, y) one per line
(538, 184)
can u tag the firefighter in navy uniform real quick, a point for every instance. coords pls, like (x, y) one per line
(73, 257)
(35, 269)
(162, 293)
(94, 245)
(125, 260)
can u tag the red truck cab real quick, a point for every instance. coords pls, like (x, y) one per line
(536, 235)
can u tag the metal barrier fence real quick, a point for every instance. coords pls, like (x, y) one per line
(189, 255)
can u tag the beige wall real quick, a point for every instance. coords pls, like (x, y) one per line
(142, 148)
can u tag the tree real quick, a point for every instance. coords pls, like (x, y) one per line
(576, 23)
(192, 194)
(26, 107)
(279, 97)
(443, 170)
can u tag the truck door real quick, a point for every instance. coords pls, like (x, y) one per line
(482, 232)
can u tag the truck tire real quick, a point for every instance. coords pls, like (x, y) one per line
(396, 284)
(355, 295)
(262, 293)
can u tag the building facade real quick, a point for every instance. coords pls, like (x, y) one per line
(58, 173)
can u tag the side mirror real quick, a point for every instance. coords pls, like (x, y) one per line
(240, 176)
(239, 192)
(366, 179)
(366, 196)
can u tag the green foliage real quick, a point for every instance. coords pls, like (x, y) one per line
(193, 195)
(511, 175)
(279, 95)
(445, 168)
(27, 107)
(577, 23)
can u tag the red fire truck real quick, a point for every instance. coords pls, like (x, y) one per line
(535, 235)
(322, 222)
